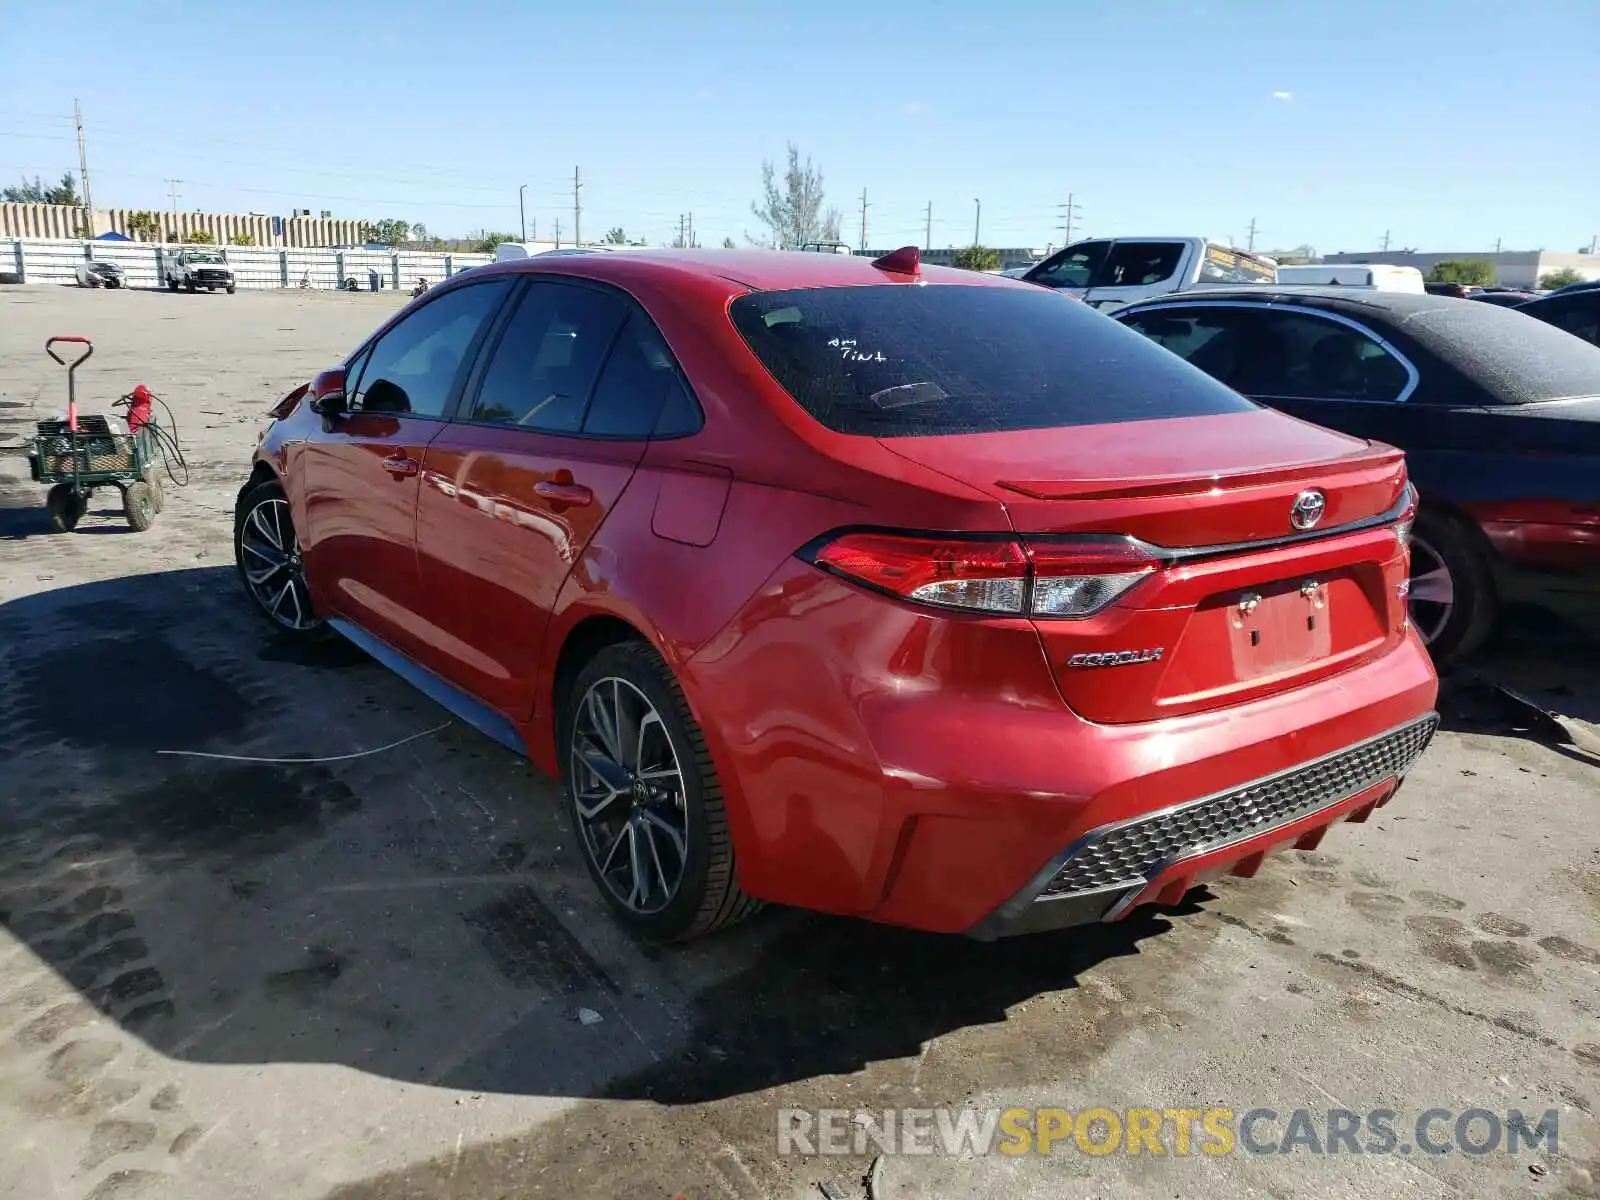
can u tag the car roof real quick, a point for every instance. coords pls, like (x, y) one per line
(755, 270)
(1517, 358)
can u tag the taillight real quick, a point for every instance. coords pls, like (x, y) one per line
(1408, 516)
(1067, 578)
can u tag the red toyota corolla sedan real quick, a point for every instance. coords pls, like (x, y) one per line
(915, 594)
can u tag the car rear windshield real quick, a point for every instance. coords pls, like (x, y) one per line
(1518, 358)
(901, 361)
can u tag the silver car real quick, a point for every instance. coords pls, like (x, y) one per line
(99, 274)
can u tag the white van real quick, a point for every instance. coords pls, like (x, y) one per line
(513, 251)
(1380, 277)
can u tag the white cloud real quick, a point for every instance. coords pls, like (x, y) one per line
(913, 108)
(1284, 96)
(704, 93)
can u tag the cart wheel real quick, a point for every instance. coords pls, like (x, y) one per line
(139, 505)
(66, 508)
(154, 480)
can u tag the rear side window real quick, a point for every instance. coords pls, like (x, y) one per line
(1139, 264)
(898, 361)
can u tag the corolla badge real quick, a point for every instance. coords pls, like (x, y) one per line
(1116, 658)
(1307, 509)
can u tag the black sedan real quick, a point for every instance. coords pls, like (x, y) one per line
(1499, 416)
(1578, 312)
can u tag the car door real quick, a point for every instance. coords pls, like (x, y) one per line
(1070, 269)
(549, 432)
(1136, 269)
(361, 474)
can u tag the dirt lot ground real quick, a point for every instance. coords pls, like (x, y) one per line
(380, 977)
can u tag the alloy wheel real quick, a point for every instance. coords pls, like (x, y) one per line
(628, 791)
(270, 555)
(1432, 597)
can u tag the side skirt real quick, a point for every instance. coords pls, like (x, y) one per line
(475, 713)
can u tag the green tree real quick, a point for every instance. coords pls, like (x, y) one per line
(976, 258)
(614, 237)
(729, 244)
(244, 239)
(389, 232)
(793, 210)
(485, 242)
(1560, 279)
(201, 237)
(65, 192)
(143, 226)
(1474, 272)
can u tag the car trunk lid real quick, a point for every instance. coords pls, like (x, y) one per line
(1240, 598)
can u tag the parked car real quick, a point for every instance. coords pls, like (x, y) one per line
(1582, 286)
(192, 269)
(1576, 312)
(1504, 297)
(1461, 291)
(1499, 418)
(954, 606)
(1107, 273)
(90, 273)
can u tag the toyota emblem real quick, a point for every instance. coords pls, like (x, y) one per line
(1308, 508)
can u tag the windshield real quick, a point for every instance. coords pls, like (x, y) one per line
(205, 256)
(1223, 265)
(895, 361)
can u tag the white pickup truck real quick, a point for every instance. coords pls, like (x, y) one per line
(192, 269)
(1111, 272)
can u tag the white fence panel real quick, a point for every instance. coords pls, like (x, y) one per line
(55, 260)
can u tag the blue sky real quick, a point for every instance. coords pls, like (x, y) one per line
(1449, 124)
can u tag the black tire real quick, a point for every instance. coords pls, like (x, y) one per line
(172, 284)
(66, 508)
(708, 897)
(139, 506)
(314, 631)
(1440, 542)
(232, 287)
(190, 286)
(153, 479)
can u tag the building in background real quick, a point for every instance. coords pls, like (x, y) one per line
(67, 221)
(1513, 268)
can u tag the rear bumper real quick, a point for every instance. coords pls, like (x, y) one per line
(882, 763)
(1156, 858)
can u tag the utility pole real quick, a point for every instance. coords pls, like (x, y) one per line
(522, 209)
(682, 241)
(83, 169)
(691, 231)
(172, 197)
(927, 236)
(1497, 245)
(1385, 246)
(577, 210)
(977, 220)
(558, 233)
(863, 246)
(1251, 243)
(1594, 240)
(1069, 218)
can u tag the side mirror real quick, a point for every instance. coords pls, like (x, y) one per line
(327, 394)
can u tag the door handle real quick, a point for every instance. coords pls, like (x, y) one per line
(563, 495)
(400, 466)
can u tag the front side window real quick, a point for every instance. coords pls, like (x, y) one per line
(413, 369)
(1139, 264)
(547, 361)
(1207, 338)
(1073, 267)
(895, 361)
